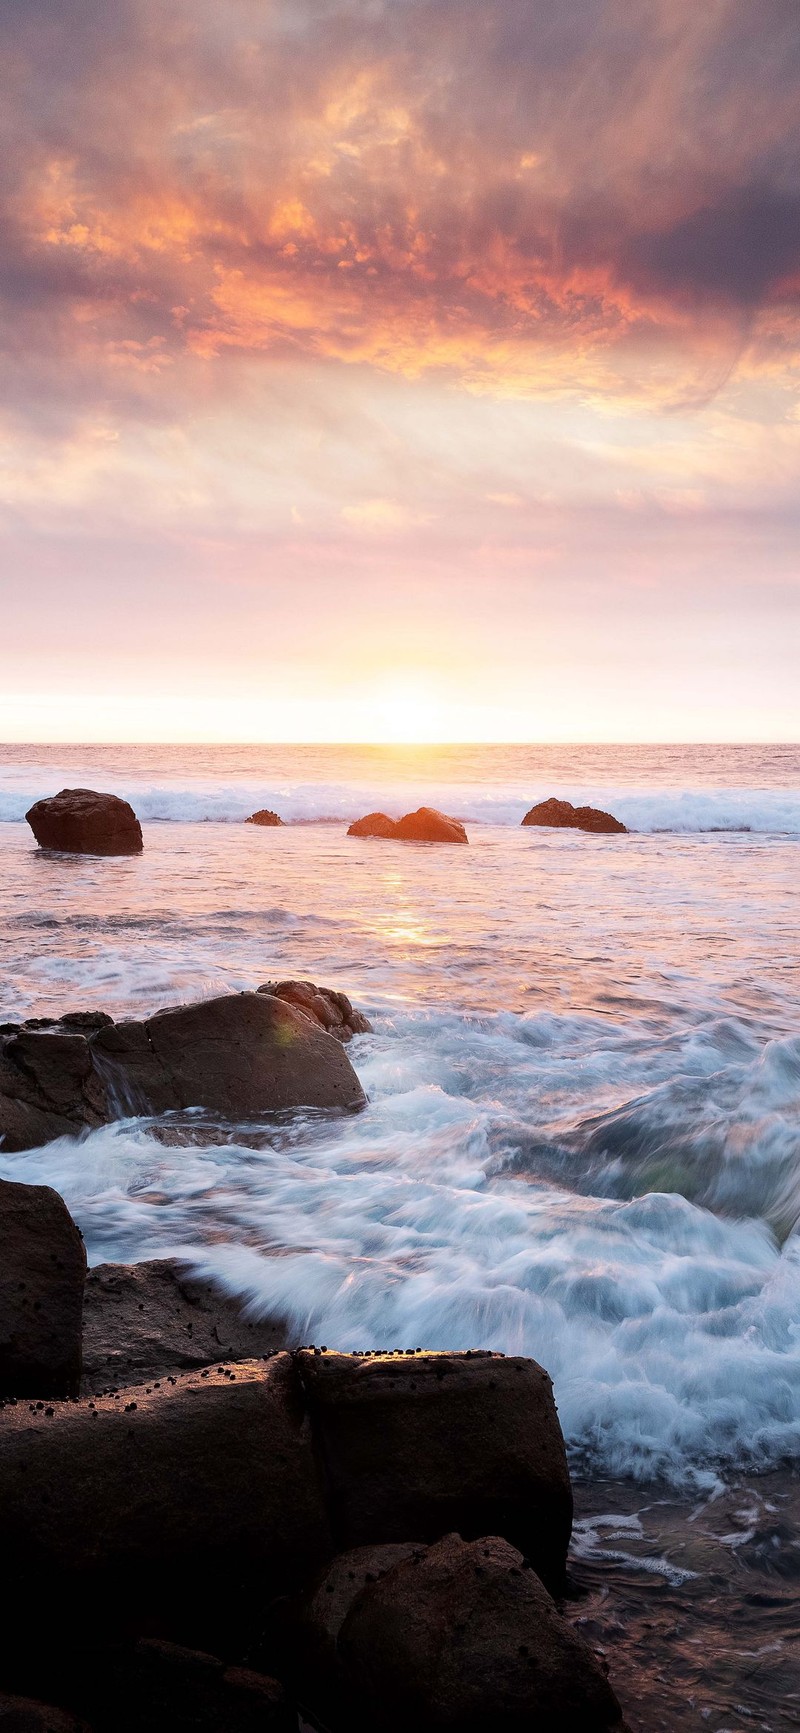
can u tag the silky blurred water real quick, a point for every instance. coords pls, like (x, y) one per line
(583, 1137)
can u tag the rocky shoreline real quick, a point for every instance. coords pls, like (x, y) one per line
(217, 1530)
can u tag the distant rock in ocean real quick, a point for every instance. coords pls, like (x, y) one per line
(424, 825)
(265, 817)
(82, 821)
(562, 815)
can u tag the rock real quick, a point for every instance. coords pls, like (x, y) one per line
(175, 1508)
(418, 1445)
(141, 1321)
(245, 1053)
(562, 815)
(452, 1638)
(428, 825)
(424, 825)
(81, 821)
(264, 817)
(48, 1087)
(23, 1715)
(375, 824)
(332, 1010)
(160, 1687)
(42, 1274)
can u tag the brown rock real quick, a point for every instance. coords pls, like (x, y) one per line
(562, 815)
(141, 1321)
(455, 1638)
(245, 1053)
(160, 1687)
(23, 1715)
(81, 821)
(419, 1445)
(332, 1010)
(264, 817)
(42, 1274)
(375, 824)
(428, 825)
(172, 1506)
(48, 1086)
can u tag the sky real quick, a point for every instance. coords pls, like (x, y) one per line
(386, 369)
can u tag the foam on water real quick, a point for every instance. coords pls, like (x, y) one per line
(583, 1133)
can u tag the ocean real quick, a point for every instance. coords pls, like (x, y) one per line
(582, 1141)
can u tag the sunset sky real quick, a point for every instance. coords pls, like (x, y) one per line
(398, 368)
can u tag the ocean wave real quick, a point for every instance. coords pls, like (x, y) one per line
(683, 811)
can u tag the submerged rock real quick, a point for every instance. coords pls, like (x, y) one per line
(448, 1639)
(332, 1010)
(424, 825)
(562, 815)
(42, 1275)
(82, 821)
(141, 1321)
(264, 817)
(418, 1445)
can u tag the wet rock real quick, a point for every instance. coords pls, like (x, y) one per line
(332, 1010)
(82, 821)
(245, 1053)
(374, 824)
(23, 1715)
(562, 815)
(42, 1274)
(141, 1321)
(160, 1687)
(174, 1507)
(424, 825)
(428, 825)
(456, 1636)
(419, 1445)
(48, 1086)
(264, 817)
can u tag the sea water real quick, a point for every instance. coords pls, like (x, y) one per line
(582, 1140)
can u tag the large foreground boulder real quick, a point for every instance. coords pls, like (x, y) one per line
(143, 1321)
(171, 1505)
(417, 1445)
(265, 817)
(42, 1275)
(23, 1715)
(454, 1638)
(562, 815)
(48, 1087)
(424, 825)
(332, 1010)
(245, 1053)
(82, 821)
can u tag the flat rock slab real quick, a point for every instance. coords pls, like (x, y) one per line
(420, 1445)
(42, 1275)
(23, 1715)
(84, 821)
(450, 1638)
(175, 1502)
(144, 1320)
(160, 1687)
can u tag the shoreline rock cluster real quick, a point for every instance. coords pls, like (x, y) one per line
(82, 821)
(242, 1054)
(374, 1540)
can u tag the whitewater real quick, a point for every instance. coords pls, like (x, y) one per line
(582, 1140)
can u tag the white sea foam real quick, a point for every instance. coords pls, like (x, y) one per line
(671, 1332)
(195, 799)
